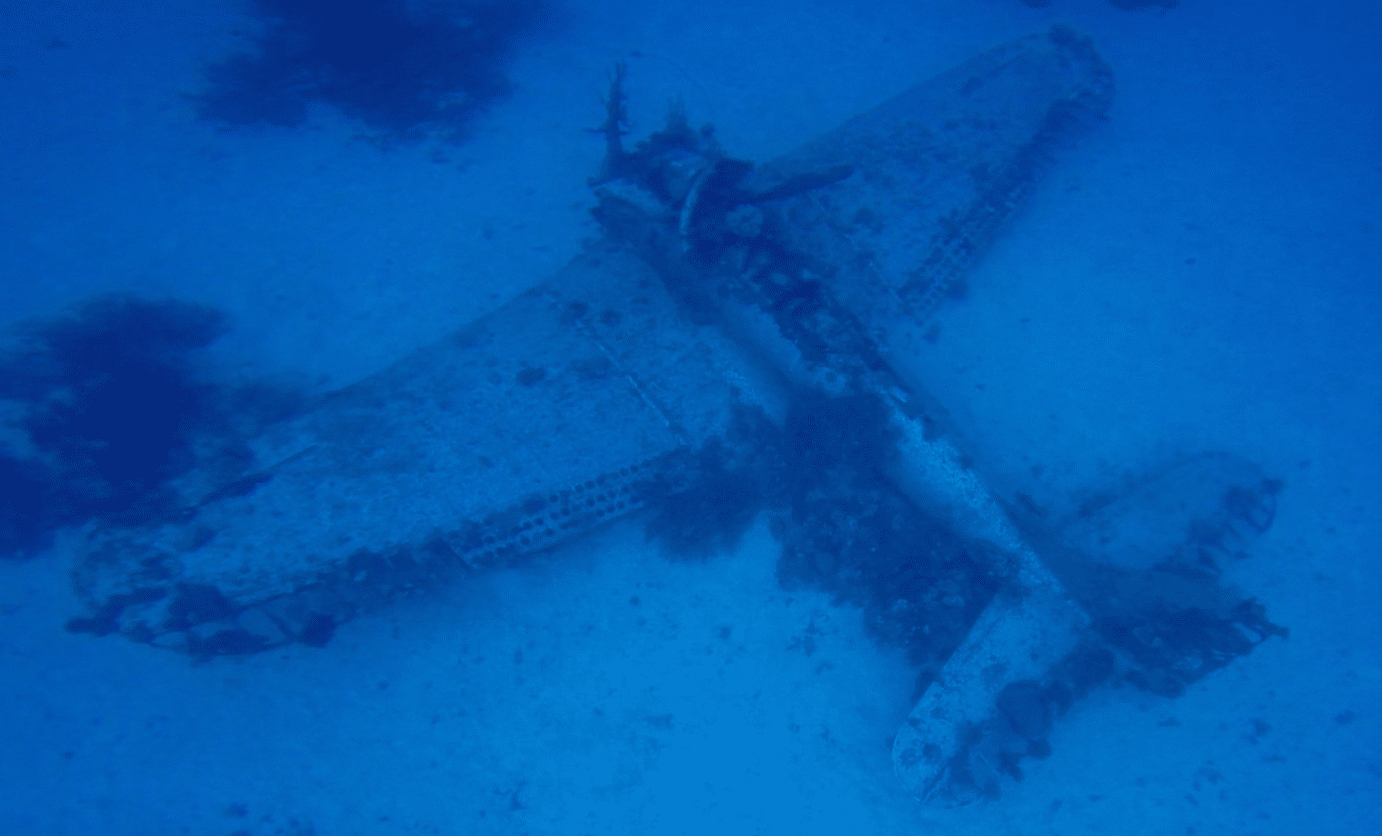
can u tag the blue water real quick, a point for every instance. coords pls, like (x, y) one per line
(1199, 272)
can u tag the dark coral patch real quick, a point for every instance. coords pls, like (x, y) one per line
(404, 68)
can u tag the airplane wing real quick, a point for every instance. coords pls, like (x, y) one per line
(559, 411)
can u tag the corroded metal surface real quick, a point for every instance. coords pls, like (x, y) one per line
(536, 423)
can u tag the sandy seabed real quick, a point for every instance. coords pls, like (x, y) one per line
(1200, 272)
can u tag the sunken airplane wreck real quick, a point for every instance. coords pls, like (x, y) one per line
(738, 340)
